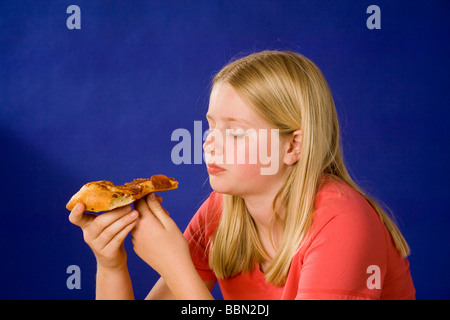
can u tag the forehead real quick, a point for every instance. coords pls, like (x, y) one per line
(225, 103)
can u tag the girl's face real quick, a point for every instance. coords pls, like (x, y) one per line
(242, 152)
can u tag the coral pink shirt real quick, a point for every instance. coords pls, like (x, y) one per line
(349, 254)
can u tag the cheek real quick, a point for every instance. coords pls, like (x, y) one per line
(247, 150)
(246, 159)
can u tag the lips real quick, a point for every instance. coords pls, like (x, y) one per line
(214, 169)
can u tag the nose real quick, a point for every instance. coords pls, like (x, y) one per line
(208, 144)
(212, 139)
(214, 142)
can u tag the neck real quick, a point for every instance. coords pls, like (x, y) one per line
(260, 208)
(260, 203)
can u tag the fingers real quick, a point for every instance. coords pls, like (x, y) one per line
(158, 211)
(105, 233)
(141, 204)
(77, 217)
(119, 238)
(115, 233)
(150, 208)
(103, 221)
(142, 207)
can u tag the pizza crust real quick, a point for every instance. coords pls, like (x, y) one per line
(104, 195)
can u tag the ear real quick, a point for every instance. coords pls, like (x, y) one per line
(293, 148)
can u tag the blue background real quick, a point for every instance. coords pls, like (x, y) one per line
(103, 101)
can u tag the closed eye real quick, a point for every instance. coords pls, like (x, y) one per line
(236, 133)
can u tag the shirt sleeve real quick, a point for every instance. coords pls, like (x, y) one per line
(346, 259)
(197, 236)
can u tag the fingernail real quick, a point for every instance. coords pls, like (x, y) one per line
(133, 214)
(152, 196)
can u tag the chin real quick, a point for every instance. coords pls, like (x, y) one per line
(221, 186)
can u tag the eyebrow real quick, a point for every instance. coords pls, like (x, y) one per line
(228, 119)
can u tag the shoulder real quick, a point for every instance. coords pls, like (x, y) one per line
(211, 209)
(346, 212)
(215, 201)
(346, 239)
(337, 194)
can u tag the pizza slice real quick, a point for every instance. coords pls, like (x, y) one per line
(104, 195)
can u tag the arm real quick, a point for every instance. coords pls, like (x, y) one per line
(113, 284)
(105, 235)
(336, 262)
(161, 291)
(187, 285)
(159, 242)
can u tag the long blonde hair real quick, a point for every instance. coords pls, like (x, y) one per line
(290, 93)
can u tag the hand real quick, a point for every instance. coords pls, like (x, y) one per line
(157, 239)
(106, 233)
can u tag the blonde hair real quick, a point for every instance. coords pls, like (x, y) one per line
(290, 93)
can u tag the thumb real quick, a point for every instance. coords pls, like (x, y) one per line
(76, 215)
(156, 208)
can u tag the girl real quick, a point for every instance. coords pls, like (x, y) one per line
(305, 231)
